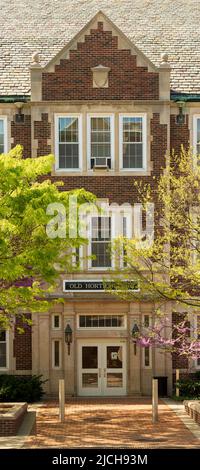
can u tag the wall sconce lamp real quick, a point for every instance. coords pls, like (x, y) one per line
(68, 337)
(180, 118)
(135, 331)
(19, 117)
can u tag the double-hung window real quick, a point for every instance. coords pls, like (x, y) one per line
(133, 142)
(3, 349)
(196, 137)
(101, 242)
(100, 141)
(3, 135)
(68, 145)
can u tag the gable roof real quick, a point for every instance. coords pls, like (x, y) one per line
(154, 26)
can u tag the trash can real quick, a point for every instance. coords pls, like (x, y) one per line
(162, 385)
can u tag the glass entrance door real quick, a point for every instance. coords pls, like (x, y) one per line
(101, 368)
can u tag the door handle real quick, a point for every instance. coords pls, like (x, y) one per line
(104, 372)
(99, 373)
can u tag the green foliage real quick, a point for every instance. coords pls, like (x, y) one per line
(16, 388)
(169, 267)
(189, 387)
(25, 249)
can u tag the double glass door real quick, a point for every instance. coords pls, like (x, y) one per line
(101, 368)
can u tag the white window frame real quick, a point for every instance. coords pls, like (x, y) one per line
(105, 328)
(53, 354)
(195, 118)
(7, 353)
(53, 317)
(5, 120)
(80, 133)
(112, 130)
(144, 146)
(197, 366)
(100, 268)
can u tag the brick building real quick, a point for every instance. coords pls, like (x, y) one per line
(104, 97)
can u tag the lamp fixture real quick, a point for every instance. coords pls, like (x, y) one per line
(19, 117)
(135, 331)
(68, 337)
(180, 118)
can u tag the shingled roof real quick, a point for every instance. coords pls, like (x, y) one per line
(45, 26)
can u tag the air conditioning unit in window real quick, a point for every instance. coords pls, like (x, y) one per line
(101, 162)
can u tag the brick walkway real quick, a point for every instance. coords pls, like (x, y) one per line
(110, 422)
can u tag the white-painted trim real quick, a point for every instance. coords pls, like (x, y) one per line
(80, 135)
(102, 369)
(53, 354)
(144, 146)
(3, 369)
(5, 121)
(195, 118)
(102, 328)
(52, 324)
(112, 129)
(100, 268)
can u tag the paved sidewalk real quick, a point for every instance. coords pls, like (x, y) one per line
(110, 422)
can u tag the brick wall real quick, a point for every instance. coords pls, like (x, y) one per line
(179, 134)
(23, 346)
(21, 134)
(72, 78)
(10, 426)
(42, 132)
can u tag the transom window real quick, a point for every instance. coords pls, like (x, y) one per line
(101, 321)
(133, 142)
(3, 135)
(68, 142)
(100, 242)
(100, 141)
(3, 349)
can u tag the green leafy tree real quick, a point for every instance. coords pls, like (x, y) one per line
(30, 261)
(167, 268)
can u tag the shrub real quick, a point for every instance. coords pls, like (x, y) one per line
(189, 386)
(16, 388)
